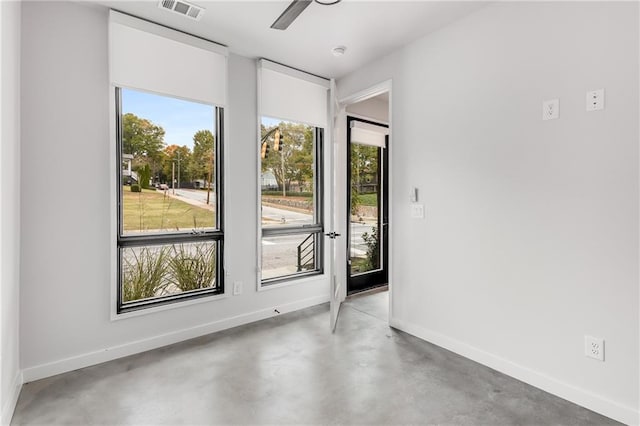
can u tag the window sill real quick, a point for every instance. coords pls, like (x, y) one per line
(320, 276)
(180, 304)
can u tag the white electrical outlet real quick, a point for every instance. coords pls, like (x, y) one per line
(417, 211)
(551, 109)
(595, 100)
(594, 347)
(237, 288)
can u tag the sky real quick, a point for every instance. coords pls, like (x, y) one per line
(179, 119)
(269, 122)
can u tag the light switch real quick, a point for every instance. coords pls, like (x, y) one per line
(551, 109)
(413, 195)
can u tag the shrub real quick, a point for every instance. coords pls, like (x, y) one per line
(136, 188)
(144, 273)
(193, 266)
(372, 242)
(144, 174)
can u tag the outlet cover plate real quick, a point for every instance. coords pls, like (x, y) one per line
(550, 109)
(417, 211)
(237, 288)
(595, 100)
(594, 347)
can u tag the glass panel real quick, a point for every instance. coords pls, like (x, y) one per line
(164, 270)
(168, 164)
(288, 254)
(288, 173)
(365, 208)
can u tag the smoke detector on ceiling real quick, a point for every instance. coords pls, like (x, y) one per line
(182, 8)
(338, 51)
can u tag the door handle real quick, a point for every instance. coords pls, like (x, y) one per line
(332, 235)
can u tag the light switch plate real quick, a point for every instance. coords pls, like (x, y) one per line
(550, 109)
(417, 211)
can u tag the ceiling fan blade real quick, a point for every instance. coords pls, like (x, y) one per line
(290, 14)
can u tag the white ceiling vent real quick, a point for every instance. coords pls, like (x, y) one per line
(182, 8)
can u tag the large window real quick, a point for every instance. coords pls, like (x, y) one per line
(169, 89)
(170, 229)
(291, 200)
(291, 182)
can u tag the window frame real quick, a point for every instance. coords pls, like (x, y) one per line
(316, 228)
(179, 237)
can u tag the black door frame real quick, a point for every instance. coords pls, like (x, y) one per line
(380, 277)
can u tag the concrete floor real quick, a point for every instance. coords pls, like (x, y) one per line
(291, 370)
(374, 303)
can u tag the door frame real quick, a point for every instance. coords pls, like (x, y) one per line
(383, 211)
(340, 188)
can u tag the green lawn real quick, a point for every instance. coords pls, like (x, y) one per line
(153, 210)
(360, 264)
(369, 199)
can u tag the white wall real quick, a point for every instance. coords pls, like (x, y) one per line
(10, 379)
(531, 233)
(65, 309)
(374, 109)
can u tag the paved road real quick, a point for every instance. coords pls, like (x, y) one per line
(196, 195)
(280, 254)
(275, 215)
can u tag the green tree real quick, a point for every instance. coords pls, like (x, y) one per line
(144, 140)
(294, 164)
(181, 156)
(364, 170)
(201, 165)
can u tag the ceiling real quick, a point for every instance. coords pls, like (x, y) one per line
(368, 29)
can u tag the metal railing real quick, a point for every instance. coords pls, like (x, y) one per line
(306, 253)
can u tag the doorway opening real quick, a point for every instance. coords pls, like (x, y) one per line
(367, 203)
(362, 198)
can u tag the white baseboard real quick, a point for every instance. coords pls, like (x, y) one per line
(579, 396)
(92, 358)
(10, 406)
